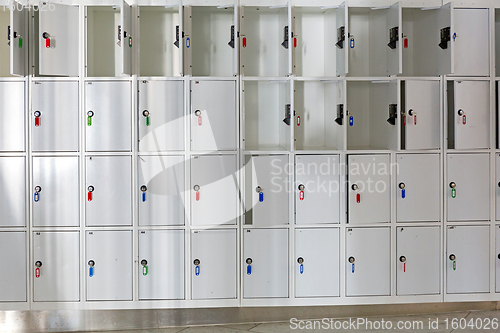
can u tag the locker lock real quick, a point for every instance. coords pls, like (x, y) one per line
(196, 188)
(91, 268)
(90, 114)
(499, 256)
(197, 113)
(37, 115)
(91, 263)
(411, 112)
(249, 266)
(453, 189)
(145, 113)
(196, 263)
(143, 190)
(454, 259)
(144, 264)
(355, 187)
(38, 264)
(453, 185)
(403, 190)
(498, 184)
(46, 36)
(351, 260)
(38, 189)
(300, 260)
(301, 193)
(249, 261)
(259, 190)
(461, 113)
(402, 259)
(301, 187)
(90, 189)
(401, 185)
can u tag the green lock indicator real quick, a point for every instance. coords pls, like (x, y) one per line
(145, 113)
(144, 264)
(453, 193)
(130, 41)
(20, 43)
(90, 114)
(454, 265)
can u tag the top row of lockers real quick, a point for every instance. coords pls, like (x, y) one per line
(254, 41)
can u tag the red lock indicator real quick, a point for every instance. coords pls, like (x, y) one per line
(37, 115)
(295, 42)
(298, 120)
(244, 42)
(46, 36)
(196, 188)
(405, 43)
(301, 193)
(464, 120)
(89, 194)
(358, 198)
(415, 119)
(38, 264)
(197, 113)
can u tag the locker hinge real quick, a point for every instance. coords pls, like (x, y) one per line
(392, 114)
(340, 37)
(445, 38)
(340, 114)
(393, 37)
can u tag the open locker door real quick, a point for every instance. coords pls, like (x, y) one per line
(446, 46)
(342, 39)
(293, 38)
(18, 39)
(186, 40)
(126, 40)
(394, 51)
(180, 38)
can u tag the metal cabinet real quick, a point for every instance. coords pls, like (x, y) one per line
(56, 266)
(161, 190)
(317, 262)
(418, 256)
(55, 191)
(108, 190)
(214, 190)
(213, 115)
(467, 259)
(13, 197)
(317, 189)
(418, 188)
(12, 114)
(13, 279)
(467, 187)
(108, 114)
(54, 116)
(161, 264)
(367, 262)
(213, 263)
(18, 39)
(109, 265)
(369, 197)
(265, 253)
(160, 115)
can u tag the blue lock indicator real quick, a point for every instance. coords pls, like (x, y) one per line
(91, 268)
(351, 42)
(196, 263)
(144, 189)
(261, 193)
(38, 189)
(188, 42)
(300, 260)
(302, 269)
(351, 120)
(403, 190)
(352, 260)
(249, 266)
(454, 36)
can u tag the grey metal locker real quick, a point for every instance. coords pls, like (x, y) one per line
(12, 116)
(13, 197)
(467, 187)
(161, 115)
(369, 197)
(367, 261)
(213, 115)
(265, 253)
(18, 39)
(13, 278)
(108, 113)
(56, 266)
(418, 196)
(418, 257)
(214, 190)
(497, 258)
(317, 262)
(54, 116)
(109, 265)
(317, 189)
(467, 259)
(161, 264)
(55, 191)
(108, 190)
(213, 263)
(161, 190)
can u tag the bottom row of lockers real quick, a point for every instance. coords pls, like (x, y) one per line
(108, 262)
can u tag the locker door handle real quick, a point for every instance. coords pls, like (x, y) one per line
(259, 190)
(249, 266)
(90, 114)
(403, 260)
(403, 190)
(301, 193)
(461, 113)
(351, 260)
(37, 115)
(38, 264)
(453, 190)
(285, 37)
(46, 36)
(143, 190)
(91, 268)
(89, 194)
(144, 264)
(177, 37)
(145, 113)
(38, 189)
(453, 258)
(393, 37)
(300, 260)
(231, 41)
(196, 189)
(196, 263)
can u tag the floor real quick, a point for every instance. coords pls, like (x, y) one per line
(468, 321)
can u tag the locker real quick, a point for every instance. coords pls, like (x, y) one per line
(58, 41)
(56, 266)
(369, 198)
(18, 39)
(418, 196)
(13, 197)
(497, 258)
(467, 259)
(161, 116)
(266, 190)
(213, 115)
(213, 263)
(161, 200)
(12, 116)
(317, 262)
(55, 191)
(467, 187)
(317, 189)
(342, 51)
(214, 190)
(108, 190)
(109, 265)
(421, 115)
(13, 257)
(161, 265)
(54, 116)
(418, 257)
(497, 187)
(265, 253)
(368, 268)
(108, 109)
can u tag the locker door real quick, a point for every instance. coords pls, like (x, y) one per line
(13, 282)
(54, 116)
(395, 55)
(58, 40)
(12, 116)
(162, 201)
(13, 195)
(265, 253)
(368, 268)
(418, 178)
(18, 39)
(342, 56)
(317, 189)
(213, 115)
(161, 111)
(214, 190)
(55, 192)
(470, 271)
(186, 40)
(317, 262)
(108, 114)
(56, 266)
(469, 199)
(213, 264)
(497, 187)
(161, 264)
(127, 38)
(497, 259)
(418, 260)
(446, 49)
(422, 113)
(108, 191)
(266, 191)
(369, 189)
(109, 265)
(472, 114)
